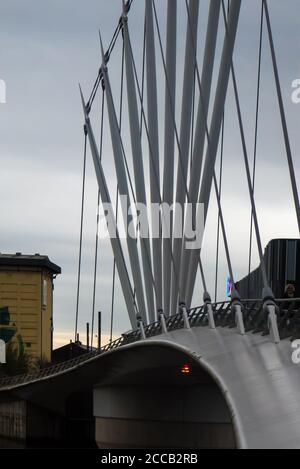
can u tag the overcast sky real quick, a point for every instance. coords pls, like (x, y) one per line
(46, 49)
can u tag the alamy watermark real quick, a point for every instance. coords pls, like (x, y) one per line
(296, 91)
(2, 92)
(296, 352)
(154, 221)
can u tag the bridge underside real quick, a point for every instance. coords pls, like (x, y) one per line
(152, 403)
(242, 391)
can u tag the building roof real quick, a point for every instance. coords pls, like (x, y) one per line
(21, 260)
(69, 351)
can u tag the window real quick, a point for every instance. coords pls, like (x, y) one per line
(45, 293)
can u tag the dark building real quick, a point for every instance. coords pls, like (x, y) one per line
(282, 260)
(69, 351)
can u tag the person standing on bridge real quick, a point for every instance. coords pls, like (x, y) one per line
(289, 291)
(289, 294)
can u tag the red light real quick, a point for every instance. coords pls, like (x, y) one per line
(185, 369)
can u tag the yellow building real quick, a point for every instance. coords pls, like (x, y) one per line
(26, 303)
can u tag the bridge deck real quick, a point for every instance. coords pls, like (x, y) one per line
(258, 379)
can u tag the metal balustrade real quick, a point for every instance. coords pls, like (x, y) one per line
(254, 316)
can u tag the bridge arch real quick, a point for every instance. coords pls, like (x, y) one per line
(147, 400)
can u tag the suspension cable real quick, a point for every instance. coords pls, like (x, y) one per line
(97, 227)
(193, 119)
(150, 151)
(114, 278)
(282, 114)
(132, 190)
(81, 231)
(181, 165)
(256, 137)
(246, 161)
(203, 277)
(220, 189)
(126, 162)
(219, 221)
(221, 218)
(128, 172)
(141, 133)
(117, 192)
(224, 231)
(138, 237)
(171, 103)
(117, 201)
(143, 76)
(107, 57)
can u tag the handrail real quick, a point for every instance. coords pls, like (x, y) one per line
(255, 320)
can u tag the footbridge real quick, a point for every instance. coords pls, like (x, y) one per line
(220, 375)
(189, 381)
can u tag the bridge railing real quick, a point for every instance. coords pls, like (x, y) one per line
(255, 320)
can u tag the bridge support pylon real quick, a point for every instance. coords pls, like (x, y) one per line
(182, 308)
(237, 310)
(209, 310)
(162, 321)
(269, 309)
(141, 328)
